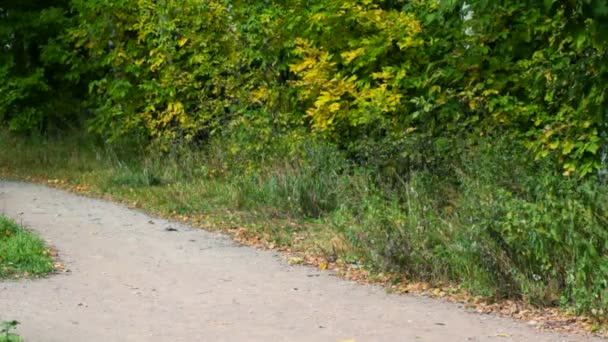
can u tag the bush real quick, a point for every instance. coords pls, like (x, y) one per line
(543, 236)
(499, 223)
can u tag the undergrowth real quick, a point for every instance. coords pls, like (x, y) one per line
(490, 219)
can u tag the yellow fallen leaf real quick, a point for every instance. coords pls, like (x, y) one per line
(295, 260)
(182, 42)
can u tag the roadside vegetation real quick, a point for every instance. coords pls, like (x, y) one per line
(450, 142)
(7, 332)
(22, 254)
(495, 223)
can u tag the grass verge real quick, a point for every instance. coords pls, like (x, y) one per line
(7, 332)
(490, 228)
(22, 254)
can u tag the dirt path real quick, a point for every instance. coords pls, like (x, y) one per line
(132, 280)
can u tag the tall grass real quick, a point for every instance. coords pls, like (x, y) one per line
(490, 218)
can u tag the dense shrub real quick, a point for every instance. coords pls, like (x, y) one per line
(501, 223)
(401, 73)
(34, 93)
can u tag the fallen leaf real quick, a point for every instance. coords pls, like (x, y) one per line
(295, 260)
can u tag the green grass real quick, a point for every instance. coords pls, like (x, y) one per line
(22, 254)
(6, 332)
(489, 219)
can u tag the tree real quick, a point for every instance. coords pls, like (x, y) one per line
(33, 92)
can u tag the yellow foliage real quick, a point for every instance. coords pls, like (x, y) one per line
(348, 81)
(349, 56)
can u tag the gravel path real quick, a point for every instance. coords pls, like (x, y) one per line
(133, 280)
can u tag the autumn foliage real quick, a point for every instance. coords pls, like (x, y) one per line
(466, 99)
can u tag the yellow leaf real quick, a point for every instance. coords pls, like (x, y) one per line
(295, 260)
(305, 64)
(334, 107)
(182, 42)
(567, 147)
(435, 89)
(554, 145)
(473, 104)
(259, 94)
(324, 98)
(349, 56)
(384, 75)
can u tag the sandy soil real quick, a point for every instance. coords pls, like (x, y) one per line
(131, 279)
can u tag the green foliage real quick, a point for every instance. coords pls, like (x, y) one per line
(537, 70)
(372, 73)
(21, 252)
(503, 225)
(33, 92)
(165, 66)
(6, 331)
(430, 69)
(355, 64)
(546, 235)
(181, 72)
(492, 219)
(378, 116)
(307, 186)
